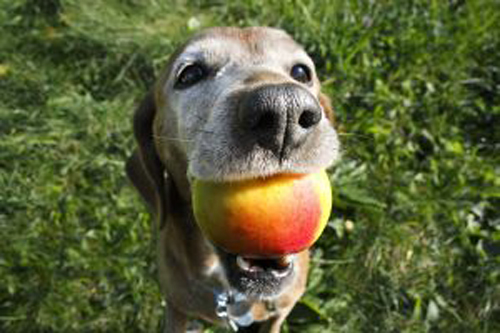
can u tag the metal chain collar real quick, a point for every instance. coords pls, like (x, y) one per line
(227, 304)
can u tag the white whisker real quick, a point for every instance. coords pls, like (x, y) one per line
(165, 138)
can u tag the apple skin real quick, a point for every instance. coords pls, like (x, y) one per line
(264, 217)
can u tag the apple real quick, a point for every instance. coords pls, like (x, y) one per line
(264, 217)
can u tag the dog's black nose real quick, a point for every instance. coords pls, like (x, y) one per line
(279, 117)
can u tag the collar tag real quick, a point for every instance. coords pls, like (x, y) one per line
(229, 306)
(221, 309)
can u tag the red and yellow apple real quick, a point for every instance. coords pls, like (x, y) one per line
(271, 216)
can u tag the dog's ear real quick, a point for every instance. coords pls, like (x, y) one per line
(326, 104)
(144, 167)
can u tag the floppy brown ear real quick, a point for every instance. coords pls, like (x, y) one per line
(144, 167)
(326, 104)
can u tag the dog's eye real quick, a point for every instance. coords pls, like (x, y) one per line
(301, 73)
(190, 75)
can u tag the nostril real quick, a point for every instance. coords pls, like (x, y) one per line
(266, 121)
(309, 118)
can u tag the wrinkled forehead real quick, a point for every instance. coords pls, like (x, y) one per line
(251, 46)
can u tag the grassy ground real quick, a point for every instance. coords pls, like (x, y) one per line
(414, 241)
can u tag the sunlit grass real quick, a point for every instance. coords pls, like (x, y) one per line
(414, 241)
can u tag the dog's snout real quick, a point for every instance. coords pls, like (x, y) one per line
(279, 117)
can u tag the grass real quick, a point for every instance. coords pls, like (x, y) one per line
(414, 241)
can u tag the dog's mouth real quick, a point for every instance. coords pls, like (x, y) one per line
(278, 267)
(262, 277)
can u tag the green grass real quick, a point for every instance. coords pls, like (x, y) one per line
(416, 88)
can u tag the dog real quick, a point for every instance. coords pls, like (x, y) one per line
(232, 104)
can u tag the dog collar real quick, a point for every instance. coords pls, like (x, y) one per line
(233, 308)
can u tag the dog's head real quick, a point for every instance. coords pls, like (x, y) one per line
(234, 104)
